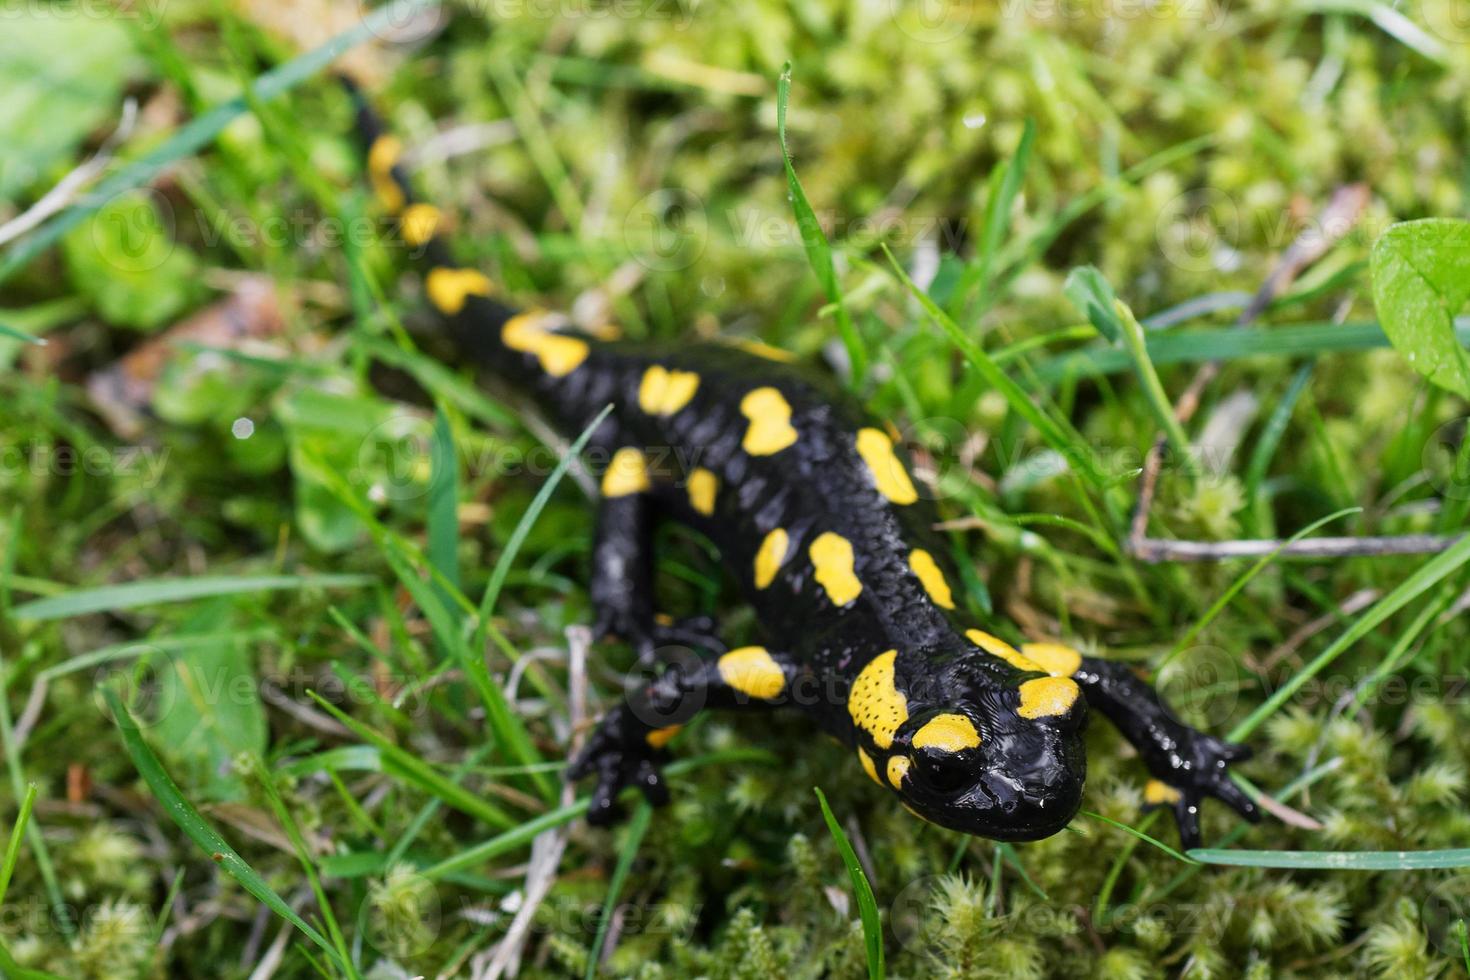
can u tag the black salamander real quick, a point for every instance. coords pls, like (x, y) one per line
(813, 507)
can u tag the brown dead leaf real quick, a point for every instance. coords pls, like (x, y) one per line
(308, 24)
(123, 393)
(263, 827)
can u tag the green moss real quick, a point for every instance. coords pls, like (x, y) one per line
(897, 121)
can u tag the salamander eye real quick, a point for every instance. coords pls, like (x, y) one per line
(943, 772)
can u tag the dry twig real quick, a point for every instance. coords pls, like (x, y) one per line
(1338, 218)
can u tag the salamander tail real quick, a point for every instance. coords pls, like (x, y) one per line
(467, 297)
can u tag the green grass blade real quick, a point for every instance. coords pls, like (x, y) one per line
(443, 513)
(446, 385)
(1069, 443)
(1110, 881)
(1136, 344)
(12, 970)
(138, 648)
(111, 598)
(443, 520)
(1337, 860)
(17, 834)
(527, 832)
(15, 770)
(1229, 344)
(998, 205)
(1134, 832)
(1020, 255)
(1426, 577)
(202, 130)
(21, 335)
(1268, 441)
(405, 560)
(183, 813)
(528, 519)
(414, 770)
(637, 828)
(304, 856)
(867, 903)
(1218, 606)
(818, 249)
(510, 840)
(1389, 20)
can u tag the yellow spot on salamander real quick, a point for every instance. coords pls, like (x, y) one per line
(889, 476)
(999, 648)
(770, 422)
(1057, 659)
(660, 737)
(868, 766)
(559, 355)
(874, 703)
(1046, 697)
(1159, 793)
(606, 330)
(449, 288)
(703, 486)
(664, 392)
(832, 558)
(765, 350)
(420, 223)
(382, 158)
(947, 732)
(898, 767)
(627, 473)
(752, 671)
(927, 569)
(770, 556)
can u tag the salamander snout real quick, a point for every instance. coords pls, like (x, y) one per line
(992, 778)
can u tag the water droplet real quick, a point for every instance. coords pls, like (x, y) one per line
(243, 428)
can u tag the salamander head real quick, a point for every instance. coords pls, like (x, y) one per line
(985, 770)
(989, 748)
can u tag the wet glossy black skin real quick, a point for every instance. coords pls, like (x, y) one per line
(1024, 780)
(1023, 783)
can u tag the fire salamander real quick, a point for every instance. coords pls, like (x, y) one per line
(814, 508)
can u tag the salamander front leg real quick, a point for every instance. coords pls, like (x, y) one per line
(1186, 764)
(622, 569)
(622, 577)
(628, 747)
